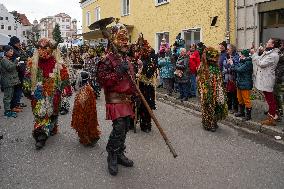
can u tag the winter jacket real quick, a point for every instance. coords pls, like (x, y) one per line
(222, 58)
(166, 67)
(182, 65)
(228, 73)
(244, 74)
(265, 69)
(194, 62)
(9, 74)
(279, 72)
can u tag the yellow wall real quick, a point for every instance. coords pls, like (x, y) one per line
(172, 17)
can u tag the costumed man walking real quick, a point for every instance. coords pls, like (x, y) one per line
(212, 93)
(45, 79)
(113, 75)
(147, 81)
(84, 116)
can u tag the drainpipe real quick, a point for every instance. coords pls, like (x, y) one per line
(236, 23)
(228, 21)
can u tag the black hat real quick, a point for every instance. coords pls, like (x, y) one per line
(6, 48)
(14, 40)
(224, 43)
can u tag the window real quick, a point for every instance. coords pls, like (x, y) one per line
(9, 27)
(67, 20)
(63, 20)
(88, 21)
(125, 7)
(24, 32)
(63, 27)
(67, 27)
(159, 37)
(15, 27)
(6, 18)
(97, 13)
(191, 36)
(2, 27)
(161, 2)
(1, 18)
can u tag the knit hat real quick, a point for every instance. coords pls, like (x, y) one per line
(14, 40)
(224, 43)
(245, 52)
(6, 48)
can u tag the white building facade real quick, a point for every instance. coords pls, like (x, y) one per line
(9, 26)
(257, 21)
(68, 27)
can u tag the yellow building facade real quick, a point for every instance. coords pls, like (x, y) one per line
(196, 20)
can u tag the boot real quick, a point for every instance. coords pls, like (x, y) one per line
(123, 160)
(269, 121)
(112, 163)
(248, 114)
(40, 141)
(241, 112)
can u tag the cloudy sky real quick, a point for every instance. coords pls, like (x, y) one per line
(37, 9)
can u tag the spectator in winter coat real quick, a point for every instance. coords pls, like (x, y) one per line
(223, 54)
(244, 84)
(265, 76)
(9, 78)
(18, 53)
(194, 63)
(166, 70)
(279, 79)
(229, 76)
(182, 75)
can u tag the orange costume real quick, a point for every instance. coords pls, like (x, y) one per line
(84, 116)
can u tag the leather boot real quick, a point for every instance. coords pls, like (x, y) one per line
(241, 112)
(112, 163)
(123, 160)
(248, 114)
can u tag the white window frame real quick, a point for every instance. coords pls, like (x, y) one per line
(192, 29)
(88, 18)
(157, 45)
(97, 13)
(123, 3)
(161, 3)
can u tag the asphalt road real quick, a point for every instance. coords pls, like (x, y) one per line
(226, 159)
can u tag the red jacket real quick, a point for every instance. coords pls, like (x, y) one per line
(194, 61)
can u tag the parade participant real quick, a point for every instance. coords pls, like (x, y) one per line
(212, 93)
(147, 81)
(45, 79)
(114, 78)
(9, 79)
(84, 116)
(178, 44)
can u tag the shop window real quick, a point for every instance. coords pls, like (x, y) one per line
(125, 7)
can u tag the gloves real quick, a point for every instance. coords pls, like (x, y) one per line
(123, 67)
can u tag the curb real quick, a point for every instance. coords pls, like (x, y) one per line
(238, 123)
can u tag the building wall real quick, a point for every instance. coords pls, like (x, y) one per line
(173, 17)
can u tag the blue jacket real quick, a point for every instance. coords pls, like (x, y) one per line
(166, 67)
(222, 58)
(244, 72)
(228, 73)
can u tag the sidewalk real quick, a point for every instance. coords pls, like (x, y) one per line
(259, 107)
